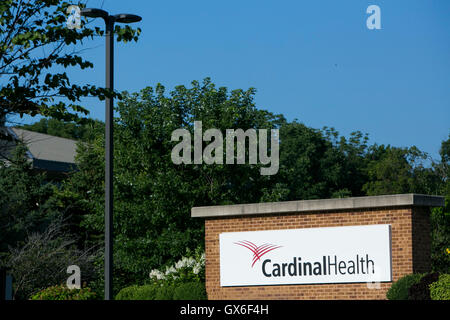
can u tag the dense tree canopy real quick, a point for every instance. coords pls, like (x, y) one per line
(153, 196)
(84, 132)
(24, 201)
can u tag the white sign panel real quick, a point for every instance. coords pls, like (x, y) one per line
(306, 256)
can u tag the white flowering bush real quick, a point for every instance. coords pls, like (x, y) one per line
(187, 269)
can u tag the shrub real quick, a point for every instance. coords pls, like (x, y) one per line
(399, 289)
(421, 289)
(440, 237)
(183, 280)
(128, 293)
(440, 290)
(61, 292)
(190, 291)
(164, 291)
(43, 259)
(146, 292)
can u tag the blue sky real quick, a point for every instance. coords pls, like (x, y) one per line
(311, 60)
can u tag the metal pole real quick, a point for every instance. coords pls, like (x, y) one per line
(109, 124)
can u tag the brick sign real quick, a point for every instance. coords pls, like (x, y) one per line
(316, 249)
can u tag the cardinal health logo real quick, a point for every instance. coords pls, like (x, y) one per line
(258, 251)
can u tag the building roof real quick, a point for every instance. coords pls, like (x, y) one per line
(47, 152)
(47, 147)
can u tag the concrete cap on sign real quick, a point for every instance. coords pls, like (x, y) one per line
(395, 200)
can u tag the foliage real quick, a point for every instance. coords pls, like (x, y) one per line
(43, 259)
(34, 45)
(440, 217)
(440, 238)
(153, 197)
(415, 287)
(440, 290)
(61, 292)
(85, 132)
(25, 201)
(190, 291)
(152, 291)
(182, 281)
(399, 289)
(421, 289)
(164, 291)
(131, 293)
(394, 170)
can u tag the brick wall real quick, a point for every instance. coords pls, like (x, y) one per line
(410, 250)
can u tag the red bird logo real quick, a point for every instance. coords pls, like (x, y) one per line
(258, 252)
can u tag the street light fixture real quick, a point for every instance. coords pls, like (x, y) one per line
(109, 123)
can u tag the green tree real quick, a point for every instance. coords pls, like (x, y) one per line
(87, 131)
(320, 163)
(304, 153)
(35, 49)
(24, 201)
(392, 170)
(440, 217)
(442, 168)
(153, 196)
(40, 228)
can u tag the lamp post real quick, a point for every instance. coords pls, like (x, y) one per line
(109, 123)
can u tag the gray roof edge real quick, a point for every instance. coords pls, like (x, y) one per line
(395, 200)
(16, 137)
(41, 134)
